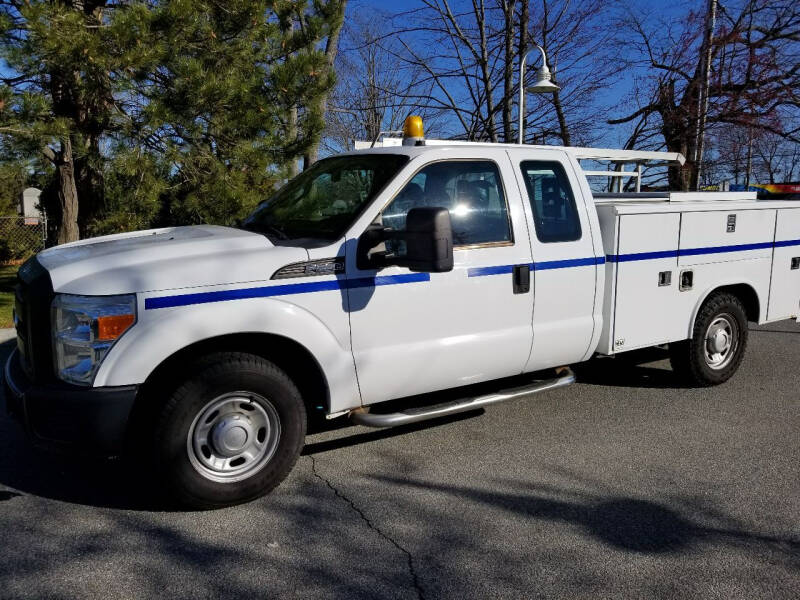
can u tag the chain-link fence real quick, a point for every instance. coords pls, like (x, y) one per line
(21, 237)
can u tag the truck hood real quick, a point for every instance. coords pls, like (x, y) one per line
(162, 259)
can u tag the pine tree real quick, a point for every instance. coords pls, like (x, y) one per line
(177, 111)
(57, 100)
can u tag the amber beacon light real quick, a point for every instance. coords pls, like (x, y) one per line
(413, 131)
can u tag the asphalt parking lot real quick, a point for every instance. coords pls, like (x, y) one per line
(623, 485)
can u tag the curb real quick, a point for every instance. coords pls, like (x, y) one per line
(6, 335)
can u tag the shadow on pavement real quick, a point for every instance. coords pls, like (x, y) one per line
(375, 435)
(75, 478)
(630, 369)
(629, 524)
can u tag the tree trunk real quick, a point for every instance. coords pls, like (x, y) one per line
(682, 178)
(679, 134)
(291, 132)
(291, 129)
(89, 182)
(749, 160)
(79, 174)
(67, 195)
(331, 48)
(485, 75)
(566, 138)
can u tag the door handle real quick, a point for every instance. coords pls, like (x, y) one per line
(521, 279)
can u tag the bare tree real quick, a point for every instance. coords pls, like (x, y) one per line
(452, 48)
(773, 158)
(753, 73)
(577, 40)
(374, 91)
(470, 52)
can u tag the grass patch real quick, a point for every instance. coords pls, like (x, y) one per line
(8, 279)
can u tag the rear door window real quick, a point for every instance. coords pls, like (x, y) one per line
(555, 214)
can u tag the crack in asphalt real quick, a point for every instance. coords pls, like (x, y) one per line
(371, 525)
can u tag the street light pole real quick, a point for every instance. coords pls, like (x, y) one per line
(543, 85)
(520, 139)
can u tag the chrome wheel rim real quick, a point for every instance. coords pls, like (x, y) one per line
(233, 436)
(721, 341)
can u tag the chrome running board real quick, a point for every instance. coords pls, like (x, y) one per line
(362, 416)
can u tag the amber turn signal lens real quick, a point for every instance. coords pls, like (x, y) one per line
(111, 327)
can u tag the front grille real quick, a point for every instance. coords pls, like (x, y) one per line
(33, 295)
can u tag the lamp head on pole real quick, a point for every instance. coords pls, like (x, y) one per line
(543, 83)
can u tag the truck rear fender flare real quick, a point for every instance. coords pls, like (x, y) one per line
(151, 342)
(745, 291)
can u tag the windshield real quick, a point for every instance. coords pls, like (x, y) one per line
(325, 199)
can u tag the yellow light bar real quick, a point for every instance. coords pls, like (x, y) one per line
(413, 128)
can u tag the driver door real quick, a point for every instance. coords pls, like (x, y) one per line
(419, 332)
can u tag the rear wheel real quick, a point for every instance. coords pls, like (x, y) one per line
(230, 432)
(718, 342)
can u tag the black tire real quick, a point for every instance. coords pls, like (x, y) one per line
(689, 358)
(228, 376)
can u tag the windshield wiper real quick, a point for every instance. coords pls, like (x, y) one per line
(279, 233)
(266, 230)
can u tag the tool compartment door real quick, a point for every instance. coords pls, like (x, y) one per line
(646, 313)
(784, 293)
(722, 236)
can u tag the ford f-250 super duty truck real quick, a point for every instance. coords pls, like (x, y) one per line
(377, 275)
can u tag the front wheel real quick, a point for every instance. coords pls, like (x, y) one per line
(230, 432)
(718, 342)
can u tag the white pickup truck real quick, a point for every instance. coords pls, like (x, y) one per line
(376, 275)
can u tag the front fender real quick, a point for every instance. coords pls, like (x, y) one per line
(161, 333)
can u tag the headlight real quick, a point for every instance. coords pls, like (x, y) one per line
(84, 329)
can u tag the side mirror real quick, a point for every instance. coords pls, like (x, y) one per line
(428, 238)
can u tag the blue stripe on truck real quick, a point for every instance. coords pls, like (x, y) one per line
(281, 290)
(721, 249)
(340, 284)
(567, 263)
(484, 271)
(537, 266)
(617, 258)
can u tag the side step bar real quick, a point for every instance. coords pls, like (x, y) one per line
(361, 416)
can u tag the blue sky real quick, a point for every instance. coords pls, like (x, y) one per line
(613, 97)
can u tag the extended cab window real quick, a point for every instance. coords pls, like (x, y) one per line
(470, 190)
(555, 215)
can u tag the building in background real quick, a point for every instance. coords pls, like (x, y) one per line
(29, 207)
